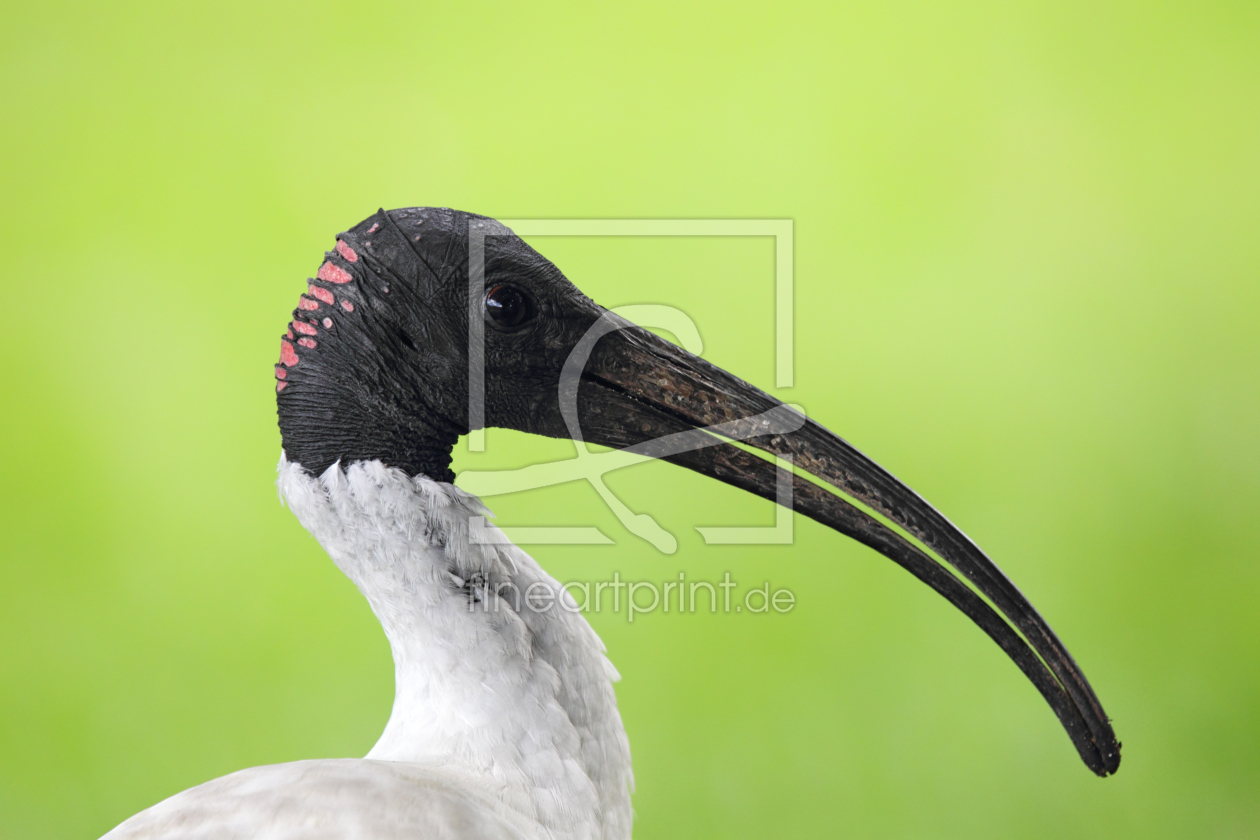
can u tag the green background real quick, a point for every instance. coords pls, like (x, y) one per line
(1027, 266)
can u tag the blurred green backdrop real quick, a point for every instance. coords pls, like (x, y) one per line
(1027, 283)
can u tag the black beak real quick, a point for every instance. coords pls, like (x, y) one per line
(640, 392)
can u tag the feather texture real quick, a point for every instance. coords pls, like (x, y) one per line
(497, 700)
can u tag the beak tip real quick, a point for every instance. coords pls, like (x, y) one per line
(1103, 761)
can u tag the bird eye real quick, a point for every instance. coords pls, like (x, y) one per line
(507, 307)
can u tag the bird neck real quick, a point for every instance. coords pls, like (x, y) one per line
(488, 681)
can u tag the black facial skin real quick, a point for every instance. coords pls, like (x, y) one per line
(389, 381)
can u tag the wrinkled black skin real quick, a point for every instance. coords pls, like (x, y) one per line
(389, 380)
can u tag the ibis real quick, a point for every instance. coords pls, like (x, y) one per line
(422, 325)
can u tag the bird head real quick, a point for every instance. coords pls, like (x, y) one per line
(425, 323)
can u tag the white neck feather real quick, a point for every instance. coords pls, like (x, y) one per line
(484, 683)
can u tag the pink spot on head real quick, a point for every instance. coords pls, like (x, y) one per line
(374, 228)
(304, 328)
(347, 305)
(307, 303)
(346, 252)
(287, 354)
(330, 273)
(307, 342)
(281, 373)
(321, 293)
(280, 386)
(328, 323)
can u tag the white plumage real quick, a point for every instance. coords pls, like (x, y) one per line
(333, 799)
(504, 722)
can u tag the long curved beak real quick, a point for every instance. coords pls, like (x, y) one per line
(637, 390)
